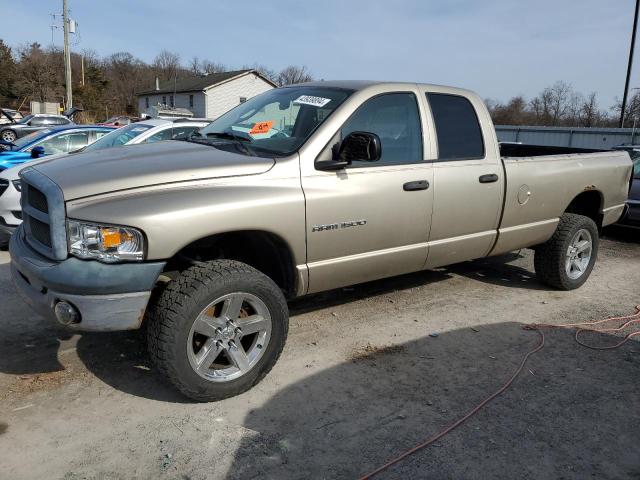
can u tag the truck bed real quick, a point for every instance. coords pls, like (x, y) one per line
(541, 183)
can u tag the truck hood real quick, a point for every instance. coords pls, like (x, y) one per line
(122, 168)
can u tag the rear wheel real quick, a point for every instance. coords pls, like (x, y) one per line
(566, 260)
(8, 135)
(217, 329)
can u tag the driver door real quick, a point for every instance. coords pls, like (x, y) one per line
(371, 219)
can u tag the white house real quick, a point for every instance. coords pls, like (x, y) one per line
(207, 96)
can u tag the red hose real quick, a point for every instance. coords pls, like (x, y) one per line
(629, 320)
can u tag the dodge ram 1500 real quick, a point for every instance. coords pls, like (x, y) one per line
(298, 190)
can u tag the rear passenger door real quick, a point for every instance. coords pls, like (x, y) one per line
(468, 180)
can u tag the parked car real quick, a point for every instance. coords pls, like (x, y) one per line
(30, 124)
(50, 141)
(47, 144)
(209, 236)
(8, 115)
(119, 121)
(149, 131)
(632, 214)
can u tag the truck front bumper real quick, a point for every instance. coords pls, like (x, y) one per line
(108, 297)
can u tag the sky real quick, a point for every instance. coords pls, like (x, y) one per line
(499, 48)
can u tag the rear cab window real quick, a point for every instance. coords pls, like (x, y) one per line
(457, 127)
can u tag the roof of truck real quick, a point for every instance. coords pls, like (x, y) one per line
(362, 84)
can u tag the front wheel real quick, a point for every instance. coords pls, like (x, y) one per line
(217, 329)
(8, 135)
(565, 261)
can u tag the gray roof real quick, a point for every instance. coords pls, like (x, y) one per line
(198, 83)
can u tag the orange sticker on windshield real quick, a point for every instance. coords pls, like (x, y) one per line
(261, 127)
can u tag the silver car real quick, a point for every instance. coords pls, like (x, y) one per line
(149, 131)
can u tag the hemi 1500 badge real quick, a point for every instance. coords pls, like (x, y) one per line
(336, 226)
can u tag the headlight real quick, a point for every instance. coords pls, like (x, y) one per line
(106, 243)
(17, 185)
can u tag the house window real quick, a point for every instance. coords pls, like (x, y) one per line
(190, 101)
(243, 99)
(164, 99)
(146, 102)
(171, 101)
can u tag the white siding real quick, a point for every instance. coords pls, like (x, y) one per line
(180, 100)
(224, 97)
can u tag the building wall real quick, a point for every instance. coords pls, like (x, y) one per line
(180, 100)
(577, 137)
(224, 97)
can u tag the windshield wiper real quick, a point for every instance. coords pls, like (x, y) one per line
(229, 136)
(211, 142)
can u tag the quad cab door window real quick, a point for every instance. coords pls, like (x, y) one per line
(395, 119)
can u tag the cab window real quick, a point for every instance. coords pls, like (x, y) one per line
(395, 118)
(457, 127)
(64, 143)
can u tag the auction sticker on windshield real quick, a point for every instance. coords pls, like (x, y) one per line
(311, 100)
(261, 127)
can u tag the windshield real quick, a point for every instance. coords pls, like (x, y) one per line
(118, 137)
(29, 139)
(25, 119)
(277, 122)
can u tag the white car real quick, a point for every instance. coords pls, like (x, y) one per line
(147, 131)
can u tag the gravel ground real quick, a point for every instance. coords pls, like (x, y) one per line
(367, 373)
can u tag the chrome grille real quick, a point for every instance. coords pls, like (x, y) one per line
(43, 214)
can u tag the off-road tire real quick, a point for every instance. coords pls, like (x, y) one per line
(550, 257)
(171, 315)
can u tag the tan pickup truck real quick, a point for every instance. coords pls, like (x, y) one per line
(298, 190)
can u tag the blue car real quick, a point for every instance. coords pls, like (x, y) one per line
(51, 141)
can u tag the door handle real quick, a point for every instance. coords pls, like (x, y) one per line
(488, 178)
(416, 185)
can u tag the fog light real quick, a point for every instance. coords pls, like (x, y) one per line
(66, 313)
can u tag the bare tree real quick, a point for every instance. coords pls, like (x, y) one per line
(166, 64)
(263, 70)
(589, 115)
(294, 74)
(39, 73)
(195, 66)
(212, 67)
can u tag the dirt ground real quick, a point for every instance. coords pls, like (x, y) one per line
(367, 373)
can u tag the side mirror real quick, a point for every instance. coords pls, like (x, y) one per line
(363, 146)
(37, 152)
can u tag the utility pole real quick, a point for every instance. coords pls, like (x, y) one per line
(629, 65)
(67, 53)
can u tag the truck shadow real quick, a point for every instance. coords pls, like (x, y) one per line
(569, 414)
(499, 271)
(31, 345)
(622, 233)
